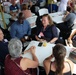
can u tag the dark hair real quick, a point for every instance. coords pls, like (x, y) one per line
(49, 18)
(24, 7)
(68, 8)
(59, 52)
(21, 15)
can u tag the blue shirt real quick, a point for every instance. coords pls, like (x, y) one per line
(49, 33)
(3, 50)
(14, 8)
(19, 30)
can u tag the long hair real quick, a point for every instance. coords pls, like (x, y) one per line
(59, 52)
(49, 18)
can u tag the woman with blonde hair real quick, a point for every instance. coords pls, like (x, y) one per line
(48, 32)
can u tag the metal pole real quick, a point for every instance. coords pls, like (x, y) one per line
(2, 17)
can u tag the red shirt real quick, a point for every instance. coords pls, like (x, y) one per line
(11, 67)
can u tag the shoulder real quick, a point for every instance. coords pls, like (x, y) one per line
(11, 5)
(26, 22)
(71, 64)
(15, 24)
(53, 26)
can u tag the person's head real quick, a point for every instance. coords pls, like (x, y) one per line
(21, 18)
(13, 2)
(69, 9)
(15, 47)
(46, 20)
(59, 52)
(24, 7)
(1, 35)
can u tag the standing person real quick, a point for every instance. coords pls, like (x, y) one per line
(20, 28)
(48, 32)
(63, 5)
(15, 64)
(60, 66)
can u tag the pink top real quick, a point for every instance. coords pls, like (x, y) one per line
(27, 13)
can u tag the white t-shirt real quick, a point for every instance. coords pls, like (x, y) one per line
(63, 5)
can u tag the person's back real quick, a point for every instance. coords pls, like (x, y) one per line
(60, 65)
(27, 13)
(15, 65)
(70, 19)
(66, 70)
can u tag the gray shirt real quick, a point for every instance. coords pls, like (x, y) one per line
(70, 19)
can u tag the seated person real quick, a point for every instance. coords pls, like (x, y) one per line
(14, 9)
(6, 18)
(3, 47)
(66, 26)
(20, 28)
(15, 64)
(48, 32)
(68, 20)
(27, 13)
(72, 39)
(60, 66)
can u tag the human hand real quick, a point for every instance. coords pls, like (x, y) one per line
(41, 40)
(70, 41)
(32, 49)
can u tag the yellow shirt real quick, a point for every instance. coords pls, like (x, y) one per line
(51, 2)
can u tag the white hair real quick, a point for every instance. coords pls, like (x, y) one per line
(15, 47)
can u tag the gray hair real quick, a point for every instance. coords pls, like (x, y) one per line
(15, 47)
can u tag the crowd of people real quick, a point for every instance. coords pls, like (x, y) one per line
(19, 31)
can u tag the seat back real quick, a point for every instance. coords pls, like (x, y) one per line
(43, 11)
(42, 4)
(7, 9)
(58, 31)
(32, 21)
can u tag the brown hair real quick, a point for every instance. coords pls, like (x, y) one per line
(24, 7)
(59, 52)
(49, 18)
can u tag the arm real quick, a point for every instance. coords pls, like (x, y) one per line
(71, 64)
(53, 40)
(55, 34)
(47, 63)
(38, 39)
(13, 31)
(66, 17)
(71, 36)
(28, 63)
